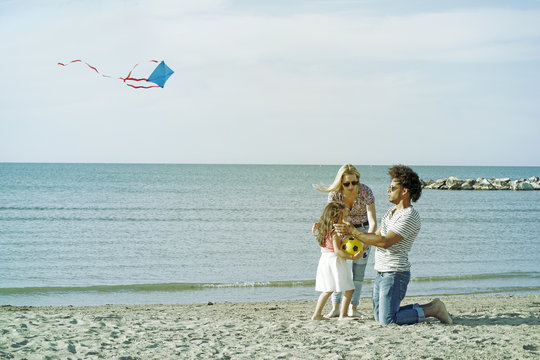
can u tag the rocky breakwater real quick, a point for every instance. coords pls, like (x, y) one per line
(452, 183)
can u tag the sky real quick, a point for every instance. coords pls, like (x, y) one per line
(272, 82)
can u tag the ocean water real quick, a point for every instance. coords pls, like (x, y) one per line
(87, 234)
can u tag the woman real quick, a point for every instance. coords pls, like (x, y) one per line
(359, 199)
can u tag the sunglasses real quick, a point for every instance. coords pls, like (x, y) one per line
(393, 188)
(346, 184)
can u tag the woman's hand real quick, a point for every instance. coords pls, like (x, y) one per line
(345, 229)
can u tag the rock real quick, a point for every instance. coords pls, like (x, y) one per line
(483, 184)
(453, 183)
(501, 184)
(513, 184)
(468, 184)
(523, 185)
(501, 181)
(439, 184)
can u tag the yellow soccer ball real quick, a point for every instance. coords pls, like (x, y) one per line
(351, 245)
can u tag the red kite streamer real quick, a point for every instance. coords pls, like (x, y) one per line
(159, 76)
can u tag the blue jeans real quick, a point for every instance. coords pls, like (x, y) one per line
(358, 270)
(389, 289)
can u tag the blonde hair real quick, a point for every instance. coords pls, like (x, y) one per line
(346, 169)
(331, 214)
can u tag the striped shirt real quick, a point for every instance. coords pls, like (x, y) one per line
(406, 223)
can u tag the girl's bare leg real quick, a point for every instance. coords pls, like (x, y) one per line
(345, 305)
(334, 312)
(317, 315)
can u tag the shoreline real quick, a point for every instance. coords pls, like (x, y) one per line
(511, 283)
(485, 326)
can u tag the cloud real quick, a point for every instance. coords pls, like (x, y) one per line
(472, 36)
(202, 33)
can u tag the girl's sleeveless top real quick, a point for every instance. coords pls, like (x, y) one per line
(328, 243)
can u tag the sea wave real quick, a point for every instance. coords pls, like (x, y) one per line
(152, 287)
(177, 287)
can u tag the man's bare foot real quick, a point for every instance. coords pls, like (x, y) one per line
(332, 314)
(440, 312)
(319, 317)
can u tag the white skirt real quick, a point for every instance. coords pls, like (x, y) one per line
(333, 274)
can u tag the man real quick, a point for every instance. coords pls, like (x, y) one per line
(393, 240)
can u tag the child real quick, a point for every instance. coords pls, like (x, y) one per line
(333, 274)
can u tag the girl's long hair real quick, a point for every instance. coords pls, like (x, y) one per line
(346, 169)
(330, 215)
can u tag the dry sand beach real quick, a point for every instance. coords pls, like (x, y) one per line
(485, 327)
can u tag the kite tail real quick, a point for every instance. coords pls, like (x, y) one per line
(127, 78)
(142, 87)
(74, 61)
(87, 64)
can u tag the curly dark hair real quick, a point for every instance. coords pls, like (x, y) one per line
(408, 179)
